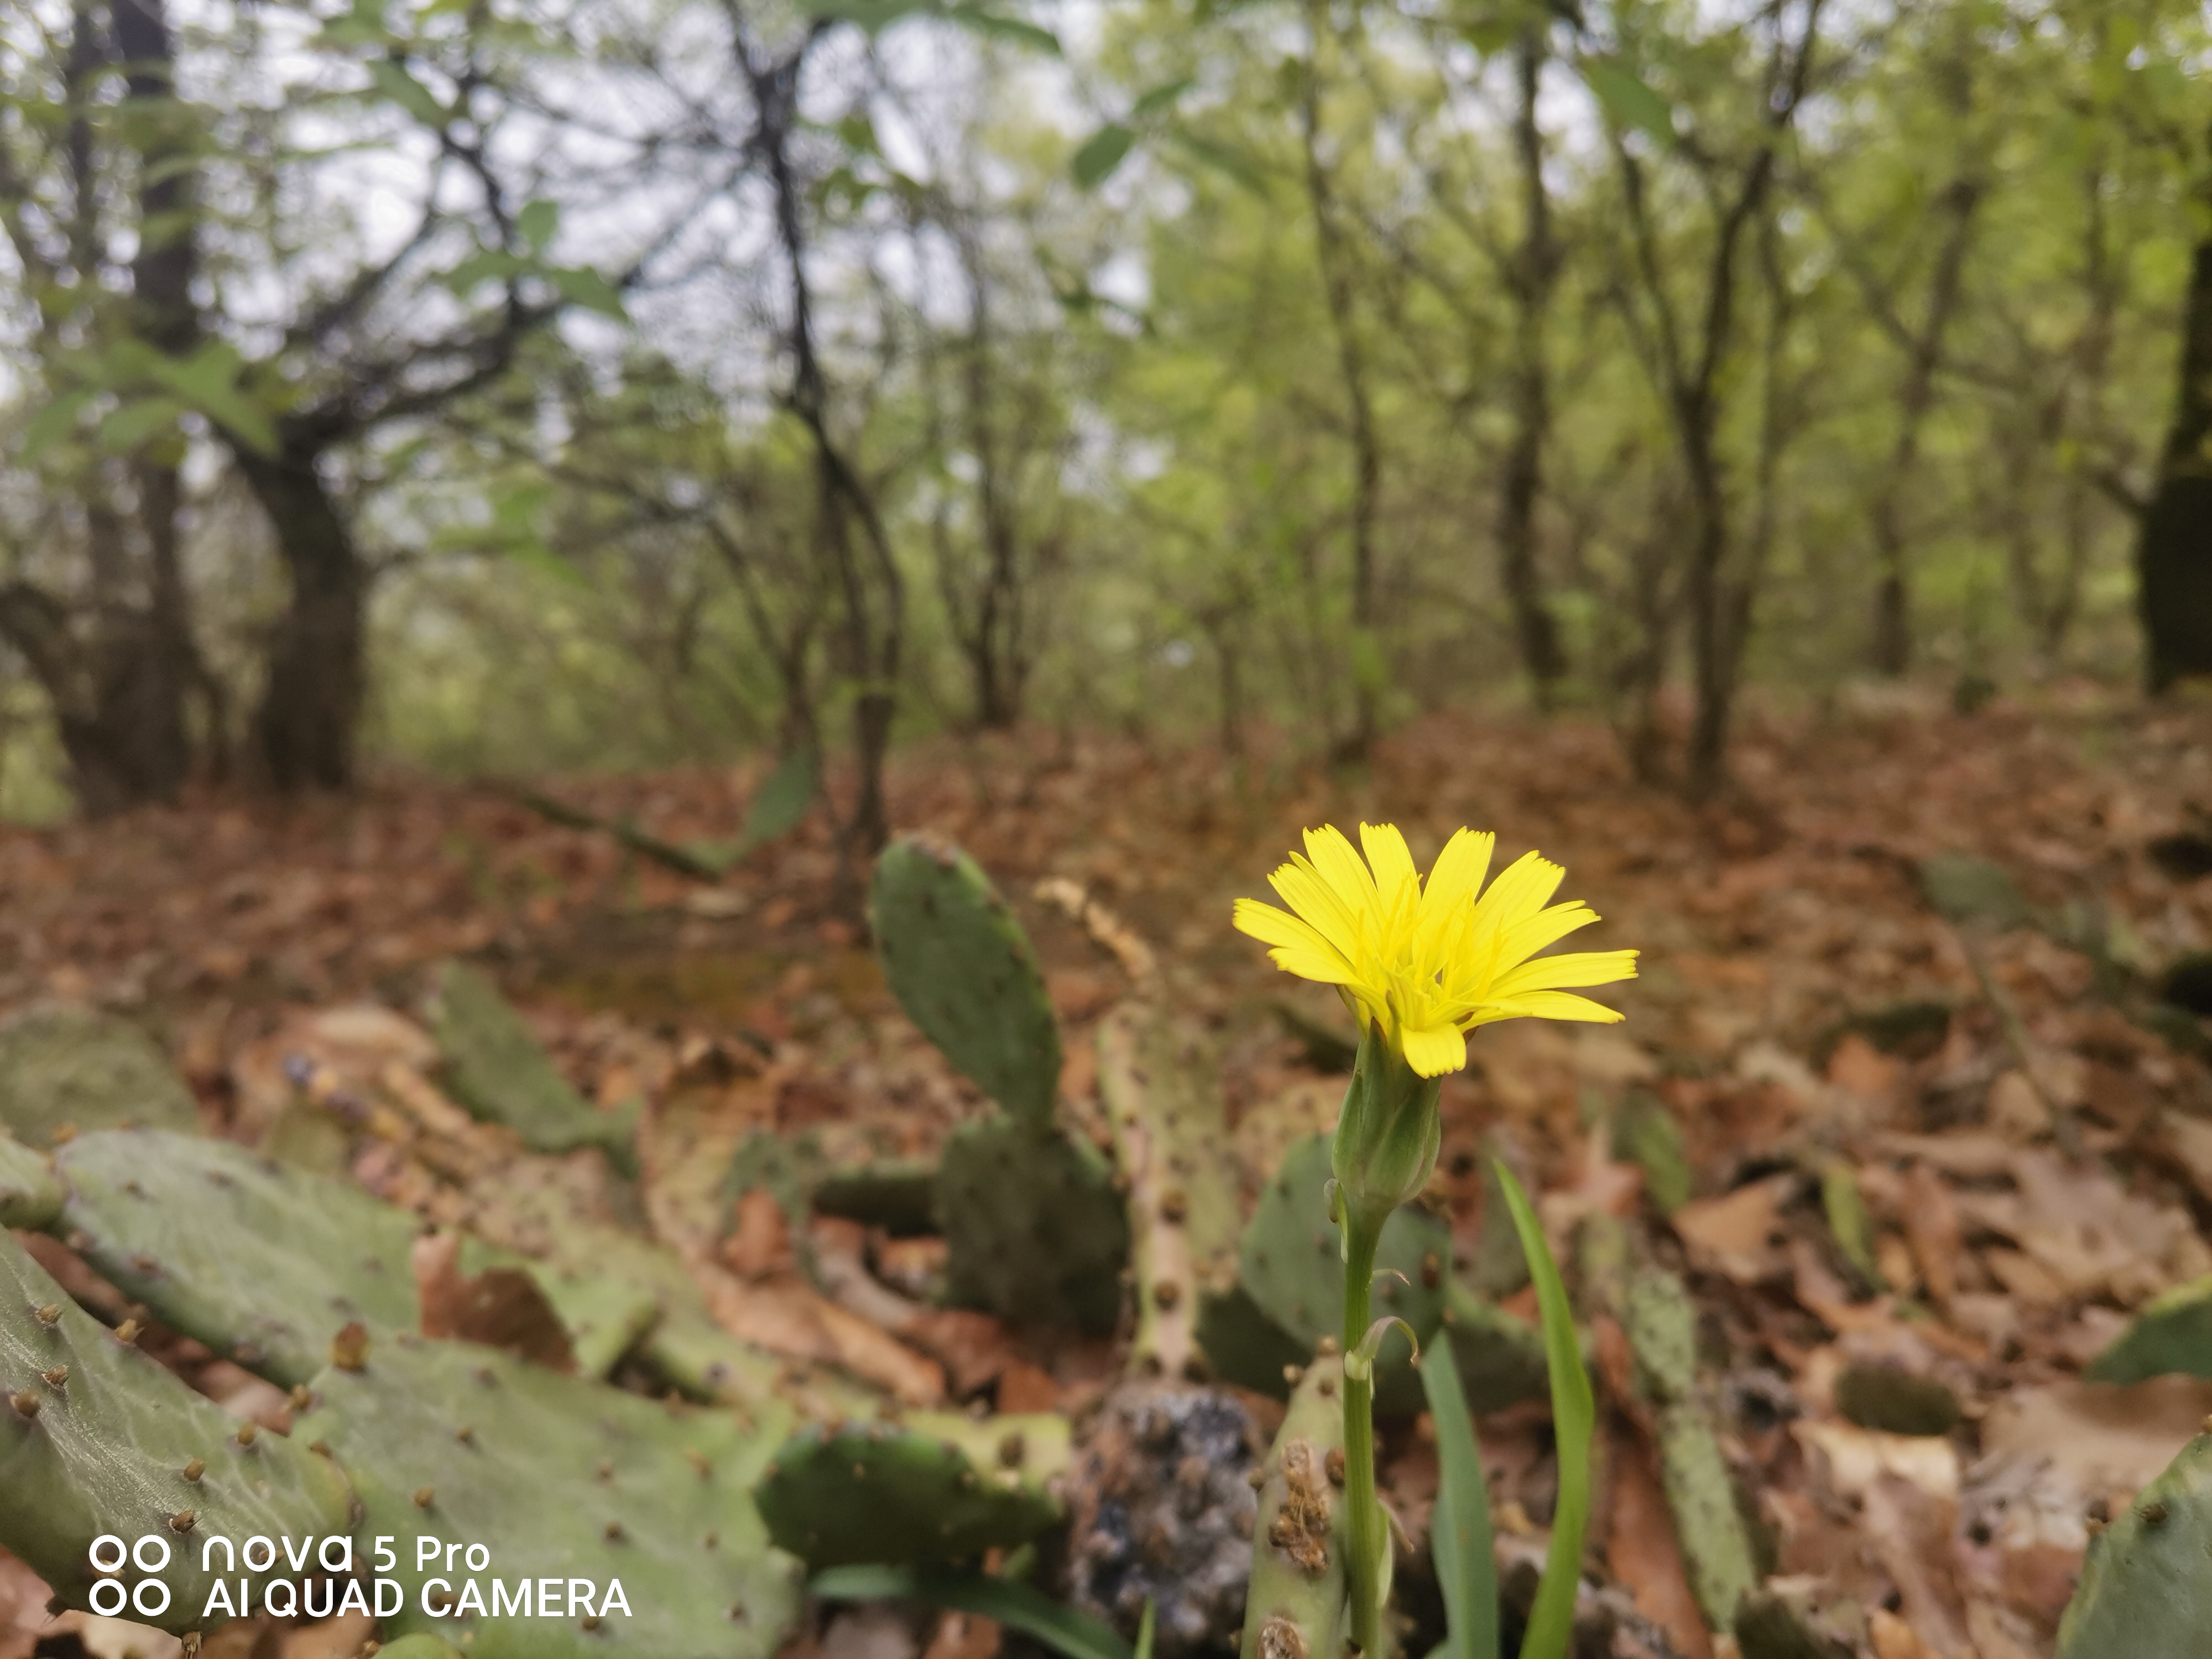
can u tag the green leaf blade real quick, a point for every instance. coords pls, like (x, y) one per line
(1101, 153)
(1459, 1530)
(1627, 98)
(1574, 1420)
(395, 85)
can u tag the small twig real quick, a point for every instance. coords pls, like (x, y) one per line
(681, 860)
(1106, 929)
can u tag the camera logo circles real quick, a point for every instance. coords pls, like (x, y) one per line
(149, 1597)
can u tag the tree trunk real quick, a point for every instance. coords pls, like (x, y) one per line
(1892, 615)
(1712, 663)
(166, 317)
(1333, 256)
(2173, 554)
(305, 728)
(1534, 277)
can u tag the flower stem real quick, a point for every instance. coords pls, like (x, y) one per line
(1363, 1527)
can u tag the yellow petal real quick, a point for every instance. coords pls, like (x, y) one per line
(1265, 922)
(1548, 926)
(1319, 905)
(1387, 854)
(1457, 874)
(1521, 889)
(1336, 864)
(1329, 970)
(1549, 1005)
(1432, 1053)
(1552, 973)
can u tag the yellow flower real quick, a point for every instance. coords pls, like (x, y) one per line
(1429, 963)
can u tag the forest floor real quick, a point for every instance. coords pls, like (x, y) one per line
(2033, 1158)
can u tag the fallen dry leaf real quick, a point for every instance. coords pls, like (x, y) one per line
(1738, 1235)
(1026, 1388)
(964, 1635)
(1931, 1229)
(501, 1308)
(1893, 1639)
(1858, 1459)
(2110, 1440)
(1911, 1529)
(759, 1243)
(1641, 1551)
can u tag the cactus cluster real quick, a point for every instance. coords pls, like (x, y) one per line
(929, 1488)
(564, 1479)
(97, 1438)
(496, 1068)
(64, 1069)
(1034, 1229)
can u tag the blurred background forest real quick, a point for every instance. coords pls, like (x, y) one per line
(507, 386)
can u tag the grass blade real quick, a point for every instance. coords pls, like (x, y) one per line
(1574, 1418)
(1016, 1606)
(1459, 1530)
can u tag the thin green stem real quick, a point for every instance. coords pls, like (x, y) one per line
(1363, 1529)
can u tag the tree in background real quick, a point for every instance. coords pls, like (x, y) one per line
(1360, 359)
(99, 162)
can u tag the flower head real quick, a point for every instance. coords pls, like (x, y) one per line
(1425, 963)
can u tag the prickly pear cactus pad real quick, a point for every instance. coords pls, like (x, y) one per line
(65, 1066)
(1170, 1140)
(29, 1194)
(934, 1487)
(963, 969)
(1244, 1346)
(1296, 1602)
(558, 1477)
(1034, 1231)
(262, 1261)
(2172, 1332)
(497, 1069)
(98, 1439)
(1499, 1357)
(1291, 1263)
(2145, 1587)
